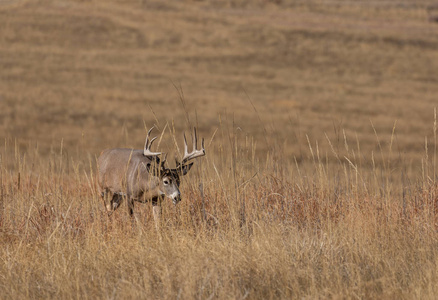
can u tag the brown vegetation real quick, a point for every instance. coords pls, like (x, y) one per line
(320, 179)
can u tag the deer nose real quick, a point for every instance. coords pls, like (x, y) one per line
(176, 197)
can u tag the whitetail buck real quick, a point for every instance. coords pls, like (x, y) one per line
(139, 175)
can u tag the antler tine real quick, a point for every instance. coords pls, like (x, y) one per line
(152, 140)
(186, 152)
(147, 138)
(195, 153)
(147, 147)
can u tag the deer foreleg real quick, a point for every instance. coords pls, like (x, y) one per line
(131, 207)
(156, 210)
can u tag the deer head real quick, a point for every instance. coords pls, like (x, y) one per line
(169, 179)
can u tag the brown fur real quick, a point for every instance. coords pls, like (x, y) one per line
(128, 173)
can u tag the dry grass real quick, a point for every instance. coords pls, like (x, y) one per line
(320, 179)
(264, 231)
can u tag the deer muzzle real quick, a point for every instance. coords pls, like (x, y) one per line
(176, 197)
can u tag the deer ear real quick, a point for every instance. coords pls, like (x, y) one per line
(185, 169)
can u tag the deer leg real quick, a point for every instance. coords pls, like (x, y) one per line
(108, 205)
(102, 192)
(114, 203)
(103, 195)
(156, 210)
(131, 207)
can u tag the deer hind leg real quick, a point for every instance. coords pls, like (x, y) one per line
(104, 195)
(115, 202)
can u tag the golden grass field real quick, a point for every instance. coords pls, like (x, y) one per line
(320, 179)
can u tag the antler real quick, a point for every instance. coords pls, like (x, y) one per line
(148, 144)
(195, 153)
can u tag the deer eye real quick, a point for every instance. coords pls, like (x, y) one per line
(166, 181)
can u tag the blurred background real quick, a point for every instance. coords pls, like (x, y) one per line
(89, 75)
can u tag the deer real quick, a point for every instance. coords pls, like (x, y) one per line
(140, 176)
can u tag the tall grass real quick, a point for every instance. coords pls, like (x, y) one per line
(342, 226)
(282, 206)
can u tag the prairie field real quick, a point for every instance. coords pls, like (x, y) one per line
(320, 127)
